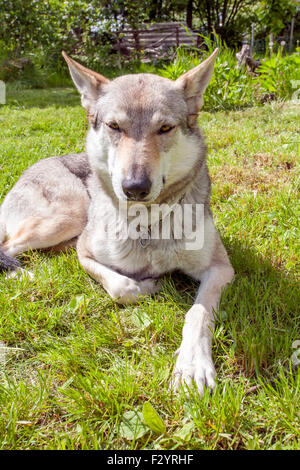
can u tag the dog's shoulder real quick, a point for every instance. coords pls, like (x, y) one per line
(78, 164)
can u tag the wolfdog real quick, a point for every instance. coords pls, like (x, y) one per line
(143, 147)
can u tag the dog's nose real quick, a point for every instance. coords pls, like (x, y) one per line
(136, 189)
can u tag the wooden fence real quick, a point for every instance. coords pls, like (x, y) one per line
(157, 36)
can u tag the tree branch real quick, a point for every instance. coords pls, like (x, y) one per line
(234, 10)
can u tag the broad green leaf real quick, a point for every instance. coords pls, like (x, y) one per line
(152, 419)
(185, 432)
(132, 426)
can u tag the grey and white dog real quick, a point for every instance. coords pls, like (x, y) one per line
(143, 146)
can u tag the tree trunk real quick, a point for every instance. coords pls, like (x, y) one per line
(189, 14)
(209, 24)
(154, 10)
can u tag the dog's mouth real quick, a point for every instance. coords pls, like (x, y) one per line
(143, 196)
(145, 202)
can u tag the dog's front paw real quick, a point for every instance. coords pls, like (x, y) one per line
(128, 290)
(193, 365)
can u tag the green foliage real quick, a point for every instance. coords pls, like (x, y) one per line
(274, 14)
(277, 75)
(184, 61)
(33, 33)
(41, 30)
(232, 87)
(229, 18)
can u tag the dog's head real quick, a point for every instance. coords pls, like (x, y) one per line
(142, 127)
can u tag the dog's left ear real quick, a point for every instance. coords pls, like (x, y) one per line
(194, 83)
(88, 83)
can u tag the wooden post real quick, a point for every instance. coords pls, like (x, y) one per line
(292, 34)
(136, 40)
(271, 44)
(252, 38)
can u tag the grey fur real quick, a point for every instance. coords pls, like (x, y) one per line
(7, 263)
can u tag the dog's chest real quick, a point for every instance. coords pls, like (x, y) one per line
(141, 255)
(138, 258)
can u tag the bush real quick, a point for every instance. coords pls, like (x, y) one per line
(232, 86)
(278, 73)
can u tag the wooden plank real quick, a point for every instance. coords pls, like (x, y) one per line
(163, 40)
(158, 27)
(181, 37)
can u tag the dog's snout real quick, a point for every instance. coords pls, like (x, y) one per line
(136, 189)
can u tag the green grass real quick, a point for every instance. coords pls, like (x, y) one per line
(85, 367)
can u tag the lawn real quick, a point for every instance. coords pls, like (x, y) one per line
(76, 369)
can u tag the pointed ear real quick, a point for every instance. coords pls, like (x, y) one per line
(88, 83)
(194, 82)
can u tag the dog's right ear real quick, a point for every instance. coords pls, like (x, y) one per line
(88, 83)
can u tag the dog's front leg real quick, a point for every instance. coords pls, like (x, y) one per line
(122, 289)
(194, 360)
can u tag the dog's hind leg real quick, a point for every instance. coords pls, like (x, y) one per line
(7, 263)
(39, 233)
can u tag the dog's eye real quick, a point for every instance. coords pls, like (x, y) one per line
(166, 128)
(114, 126)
